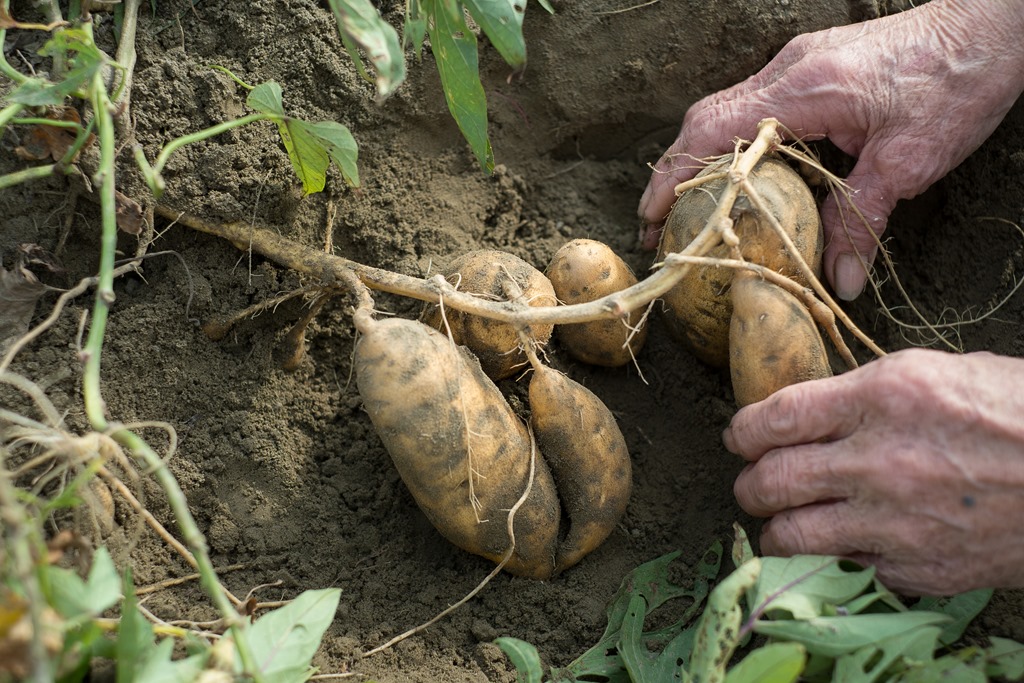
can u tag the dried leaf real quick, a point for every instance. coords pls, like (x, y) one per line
(129, 214)
(20, 289)
(50, 142)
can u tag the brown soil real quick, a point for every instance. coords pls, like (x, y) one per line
(283, 469)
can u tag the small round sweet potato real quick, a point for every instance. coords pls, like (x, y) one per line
(487, 273)
(773, 341)
(446, 425)
(698, 309)
(584, 270)
(588, 457)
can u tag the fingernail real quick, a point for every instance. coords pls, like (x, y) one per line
(850, 277)
(644, 201)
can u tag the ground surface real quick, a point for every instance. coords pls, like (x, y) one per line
(283, 469)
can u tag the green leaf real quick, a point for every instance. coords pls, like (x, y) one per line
(630, 644)
(74, 598)
(360, 24)
(84, 59)
(870, 663)
(948, 668)
(836, 636)
(802, 585)
(719, 626)
(339, 144)
(310, 146)
(266, 98)
(774, 663)
(1005, 659)
(872, 601)
(649, 581)
(455, 50)
(103, 585)
(524, 657)
(309, 159)
(962, 608)
(65, 591)
(415, 29)
(286, 639)
(159, 669)
(741, 550)
(547, 6)
(134, 636)
(502, 21)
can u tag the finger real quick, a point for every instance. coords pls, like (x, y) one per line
(825, 529)
(853, 225)
(708, 130)
(815, 410)
(712, 124)
(790, 478)
(650, 235)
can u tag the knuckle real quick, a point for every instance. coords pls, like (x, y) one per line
(780, 416)
(787, 534)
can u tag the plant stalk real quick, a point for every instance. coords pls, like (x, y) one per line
(95, 407)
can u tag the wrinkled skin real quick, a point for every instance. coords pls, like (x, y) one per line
(910, 95)
(913, 463)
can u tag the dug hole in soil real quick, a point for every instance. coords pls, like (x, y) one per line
(283, 469)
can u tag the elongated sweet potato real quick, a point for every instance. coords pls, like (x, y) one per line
(454, 439)
(584, 270)
(588, 457)
(773, 341)
(487, 272)
(698, 309)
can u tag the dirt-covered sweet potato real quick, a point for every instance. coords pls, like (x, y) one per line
(456, 443)
(584, 270)
(773, 341)
(488, 273)
(698, 309)
(587, 454)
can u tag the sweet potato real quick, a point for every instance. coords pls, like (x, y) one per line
(588, 457)
(698, 309)
(487, 273)
(584, 270)
(773, 341)
(454, 439)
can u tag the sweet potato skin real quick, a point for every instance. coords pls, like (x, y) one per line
(698, 310)
(584, 270)
(435, 410)
(588, 457)
(773, 340)
(486, 272)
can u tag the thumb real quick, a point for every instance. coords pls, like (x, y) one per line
(853, 218)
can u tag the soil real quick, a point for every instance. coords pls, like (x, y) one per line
(283, 469)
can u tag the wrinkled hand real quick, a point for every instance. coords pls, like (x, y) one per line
(913, 463)
(910, 95)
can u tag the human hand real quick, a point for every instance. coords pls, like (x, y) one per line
(910, 95)
(913, 463)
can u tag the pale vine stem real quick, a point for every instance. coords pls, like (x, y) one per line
(670, 271)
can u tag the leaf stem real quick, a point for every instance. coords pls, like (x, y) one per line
(199, 136)
(27, 174)
(759, 611)
(92, 353)
(5, 66)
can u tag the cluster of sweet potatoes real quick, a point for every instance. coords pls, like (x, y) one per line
(468, 458)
